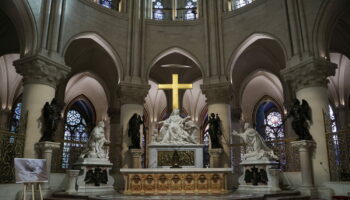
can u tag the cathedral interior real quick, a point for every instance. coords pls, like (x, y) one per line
(245, 61)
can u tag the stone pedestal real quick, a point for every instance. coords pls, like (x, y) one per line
(305, 148)
(265, 169)
(72, 179)
(45, 149)
(136, 157)
(215, 157)
(94, 176)
(160, 155)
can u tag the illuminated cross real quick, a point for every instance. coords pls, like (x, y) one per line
(175, 86)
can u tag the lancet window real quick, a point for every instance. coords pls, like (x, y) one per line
(15, 117)
(174, 9)
(236, 4)
(79, 120)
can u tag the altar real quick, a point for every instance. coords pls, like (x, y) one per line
(175, 181)
(175, 159)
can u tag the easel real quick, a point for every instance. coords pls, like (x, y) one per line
(32, 185)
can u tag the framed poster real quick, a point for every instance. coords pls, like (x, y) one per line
(30, 170)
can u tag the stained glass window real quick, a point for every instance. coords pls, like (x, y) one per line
(191, 10)
(269, 124)
(274, 128)
(78, 124)
(174, 9)
(106, 3)
(240, 3)
(158, 12)
(16, 116)
(332, 118)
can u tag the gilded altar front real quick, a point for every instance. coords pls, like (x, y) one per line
(177, 181)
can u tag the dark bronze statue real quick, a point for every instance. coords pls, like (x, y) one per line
(214, 130)
(51, 113)
(134, 131)
(301, 114)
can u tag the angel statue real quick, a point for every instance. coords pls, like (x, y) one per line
(301, 114)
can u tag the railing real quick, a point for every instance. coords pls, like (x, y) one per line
(11, 146)
(338, 144)
(289, 156)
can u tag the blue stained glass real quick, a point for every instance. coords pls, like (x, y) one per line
(16, 116)
(75, 131)
(106, 3)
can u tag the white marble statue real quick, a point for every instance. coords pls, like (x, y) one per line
(94, 147)
(176, 130)
(256, 148)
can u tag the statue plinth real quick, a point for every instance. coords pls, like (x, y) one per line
(136, 157)
(260, 176)
(305, 148)
(215, 157)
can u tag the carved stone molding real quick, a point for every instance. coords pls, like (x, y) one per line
(130, 93)
(47, 146)
(304, 145)
(217, 92)
(311, 73)
(39, 69)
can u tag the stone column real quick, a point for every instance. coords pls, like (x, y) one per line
(215, 155)
(307, 177)
(5, 119)
(45, 149)
(115, 138)
(40, 77)
(132, 99)
(309, 80)
(218, 100)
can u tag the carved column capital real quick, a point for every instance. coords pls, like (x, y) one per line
(217, 92)
(130, 93)
(304, 145)
(310, 73)
(39, 69)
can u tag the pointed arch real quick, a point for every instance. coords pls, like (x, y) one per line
(172, 50)
(245, 44)
(22, 17)
(268, 77)
(93, 88)
(104, 44)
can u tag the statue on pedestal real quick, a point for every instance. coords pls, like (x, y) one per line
(134, 131)
(52, 115)
(177, 130)
(94, 147)
(301, 114)
(214, 130)
(256, 148)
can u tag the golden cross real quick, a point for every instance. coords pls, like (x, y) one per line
(175, 86)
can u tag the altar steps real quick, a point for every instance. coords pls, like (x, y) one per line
(284, 195)
(67, 197)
